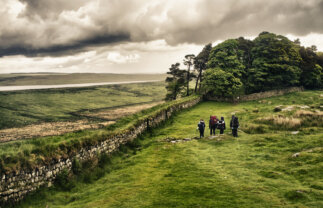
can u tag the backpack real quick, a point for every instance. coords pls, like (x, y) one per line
(221, 124)
(235, 122)
(213, 120)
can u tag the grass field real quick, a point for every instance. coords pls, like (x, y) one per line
(36, 106)
(257, 169)
(54, 79)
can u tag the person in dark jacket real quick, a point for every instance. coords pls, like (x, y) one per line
(201, 128)
(234, 125)
(221, 125)
(213, 124)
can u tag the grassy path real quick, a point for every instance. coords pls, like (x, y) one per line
(255, 170)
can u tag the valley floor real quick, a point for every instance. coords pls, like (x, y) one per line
(273, 163)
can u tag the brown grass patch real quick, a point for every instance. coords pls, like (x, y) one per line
(283, 122)
(302, 113)
(48, 129)
(114, 114)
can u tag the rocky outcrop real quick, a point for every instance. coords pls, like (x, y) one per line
(15, 185)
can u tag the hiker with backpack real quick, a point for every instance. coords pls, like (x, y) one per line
(201, 128)
(234, 125)
(221, 125)
(213, 124)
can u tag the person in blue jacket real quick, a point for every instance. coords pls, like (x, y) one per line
(201, 127)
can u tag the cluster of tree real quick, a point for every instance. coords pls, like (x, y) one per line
(242, 66)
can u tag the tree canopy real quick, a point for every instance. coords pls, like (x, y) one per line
(221, 83)
(228, 57)
(275, 63)
(245, 66)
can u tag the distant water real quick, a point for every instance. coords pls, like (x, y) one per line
(34, 87)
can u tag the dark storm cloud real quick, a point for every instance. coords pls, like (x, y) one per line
(49, 8)
(60, 27)
(60, 50)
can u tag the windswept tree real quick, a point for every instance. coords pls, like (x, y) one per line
(175, 82)
(200, 64)
(188, 61)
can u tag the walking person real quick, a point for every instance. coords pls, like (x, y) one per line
(212, 124)
(234, 125)
(201, 127)
(221, 125)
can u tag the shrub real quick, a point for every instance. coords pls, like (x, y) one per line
(104, 160)
(277, 109)
(256, 110)
(123, 148)
(25, 163)
(295, 195)
(99, 173)
(87, 178)
(63, 181)
(26, 152)
(1, 166)
(255, 129)
(134, 143)
(76, 166)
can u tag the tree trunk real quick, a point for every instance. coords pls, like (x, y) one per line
(201, 78)
(197, 82)
(188, 80)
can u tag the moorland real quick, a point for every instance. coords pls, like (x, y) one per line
(275, 162)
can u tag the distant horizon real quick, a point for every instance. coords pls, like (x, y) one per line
(79, 73)
(128, 37)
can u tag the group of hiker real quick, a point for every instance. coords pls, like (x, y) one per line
(215, 123)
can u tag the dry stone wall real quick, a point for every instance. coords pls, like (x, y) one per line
(255, 96)
(15, 185)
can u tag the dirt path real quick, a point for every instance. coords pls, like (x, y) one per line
(58, 128)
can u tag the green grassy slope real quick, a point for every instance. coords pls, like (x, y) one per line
(34, 106)
(77, 78)
(254, 170)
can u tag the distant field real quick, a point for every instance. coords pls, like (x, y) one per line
(54, 79)
(22, 108)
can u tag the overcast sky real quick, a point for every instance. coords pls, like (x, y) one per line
(139, 36)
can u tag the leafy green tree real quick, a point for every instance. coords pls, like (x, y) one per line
(312, 73)
(188, 61)
(320, 58)
(218, 82)
(275, 63)
(245, 46)
(175, 82)
(228, 57)
(200, 64)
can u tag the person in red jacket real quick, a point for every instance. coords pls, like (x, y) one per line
(213, 124)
